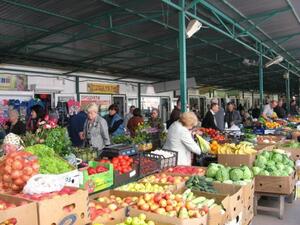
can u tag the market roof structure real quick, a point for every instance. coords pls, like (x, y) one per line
(139, 39)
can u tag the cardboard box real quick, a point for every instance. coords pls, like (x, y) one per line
(262, 147)
(277, 185)
(235, 196)
(97, 182)
(113, 218)
(169, 220)
(236, 160)
(24, 214)
(248, 213)
(248, 193)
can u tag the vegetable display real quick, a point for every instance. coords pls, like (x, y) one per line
(141, 219)
(122, 164)
(16, 169)
(235, 175)
(243, 148)
(186, 170)
(291, 144)
(145, 187)
(203, 144)
(273, 163)
(200, 183)
(213, 134)
(162, 178)
(49, 162)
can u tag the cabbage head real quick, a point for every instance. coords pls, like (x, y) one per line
(264, 173)
(222, 175)
(260, 161)
(291, 163)
(266, 154)
(212, 171)
(289, 170)
(270, 163)
(236, 174)
(275, 173)
(277, 157)
(256, 170)
(280, 166)
(248, 175)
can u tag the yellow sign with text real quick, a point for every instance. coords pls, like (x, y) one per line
(103, 88)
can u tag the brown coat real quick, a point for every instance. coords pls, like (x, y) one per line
(133, 124)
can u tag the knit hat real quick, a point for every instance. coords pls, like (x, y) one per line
(14, 139)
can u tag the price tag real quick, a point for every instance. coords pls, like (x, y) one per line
(132, 173)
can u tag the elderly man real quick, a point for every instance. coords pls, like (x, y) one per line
(219, 115)
(15, 125)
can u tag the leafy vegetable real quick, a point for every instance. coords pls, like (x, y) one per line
(236, 174)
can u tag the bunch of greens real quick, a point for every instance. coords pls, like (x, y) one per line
(121, 139)
(200, 183)
(273, 163)
(292, 144)
(49, 162)
(59, 140)
(237, 175)
(143, 135)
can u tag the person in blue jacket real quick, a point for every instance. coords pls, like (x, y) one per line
(76, 126)
(114, 121)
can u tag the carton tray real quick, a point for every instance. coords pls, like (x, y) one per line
(236, 160)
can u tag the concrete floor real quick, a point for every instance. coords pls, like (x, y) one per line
(291, 215)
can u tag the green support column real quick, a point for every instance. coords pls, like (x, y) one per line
(261, 79)
(139, 96)
(299, 92)
(182, 57)
(288, 93)
(77, 88)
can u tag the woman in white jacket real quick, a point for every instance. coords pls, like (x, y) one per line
(180, 138)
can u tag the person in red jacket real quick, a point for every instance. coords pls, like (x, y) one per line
(135, 121)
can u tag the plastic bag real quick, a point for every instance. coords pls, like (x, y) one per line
(41, 183)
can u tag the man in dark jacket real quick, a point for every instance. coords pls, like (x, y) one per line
(232, 117)
(76, 125)
(209, 120)
(279, 110)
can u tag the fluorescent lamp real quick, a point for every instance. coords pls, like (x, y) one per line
(192, 28)
(276, 60)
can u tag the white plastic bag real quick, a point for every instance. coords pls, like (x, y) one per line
(41, 183)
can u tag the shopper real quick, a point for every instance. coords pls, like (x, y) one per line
(255, 112)
(114, 121)
(220, 115)
(15, 125)
(76, 126)
(157, 126)
(95, 133)
(294, 108)
(279, 110)
(128, 116)
(180, 139)
(135, 121)
(268, 112)
(209, 120)
(175, 114)
(36, 116)
(232, 117)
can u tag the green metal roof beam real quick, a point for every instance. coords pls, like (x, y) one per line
(294, 10)
(193, 4)
(23, 25)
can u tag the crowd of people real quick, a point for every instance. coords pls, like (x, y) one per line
(89, 129)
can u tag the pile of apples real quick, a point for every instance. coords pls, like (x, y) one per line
(145, 187)
(7, 205)
(39, 197)
(11, 221)
(141, 219)
(187, 170)
(106, 205)
(162, 178)
(168, 204)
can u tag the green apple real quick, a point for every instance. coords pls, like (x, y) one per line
(142, 217)
(128, 220)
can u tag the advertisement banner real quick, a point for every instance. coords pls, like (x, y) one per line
(103, 88)
(10, 82)
(103, 101)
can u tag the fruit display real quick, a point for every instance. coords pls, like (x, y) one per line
(145, 187)
(120, 202)
(40, 197)
(162, 178)
(12, 221)
(267, 139)
(96, 170)
(214, 146)
(235, 175)
(200, 183)
(98, 209)
(50, 163)
(243, 148)
(186, 170)
(122, 164)
(16, 169)
(291, 144)
(271, 125)
(213, 134)
(294, 119)
(86, 154)
(140, 219)
(7, 205)
(273, 163)
(183, 206)
(148, 165)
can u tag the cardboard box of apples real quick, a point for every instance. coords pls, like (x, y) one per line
(15, 211)
(68, 206)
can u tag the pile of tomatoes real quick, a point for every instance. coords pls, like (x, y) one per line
(213, 134)
(122, 163)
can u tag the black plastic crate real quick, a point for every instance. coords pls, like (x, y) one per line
(166, 163)
(148, 164)
(117, 150)
(125, 178)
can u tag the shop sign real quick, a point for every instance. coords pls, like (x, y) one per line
(103, 88)
(103, 101)
(12, 82)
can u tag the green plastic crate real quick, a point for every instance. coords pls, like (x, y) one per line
(98, 182)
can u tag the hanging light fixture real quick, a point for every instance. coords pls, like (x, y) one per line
(278, 59)
(193, 27)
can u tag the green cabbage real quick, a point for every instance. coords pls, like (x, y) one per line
(247, 173)
(280, 166)
(277, 157)
(264, 173)
(260, 161)
(222, 175)
(212, 171)
(236, 174)
(266, 154)
(256, 170)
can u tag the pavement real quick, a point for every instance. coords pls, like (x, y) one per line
(291, 215)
